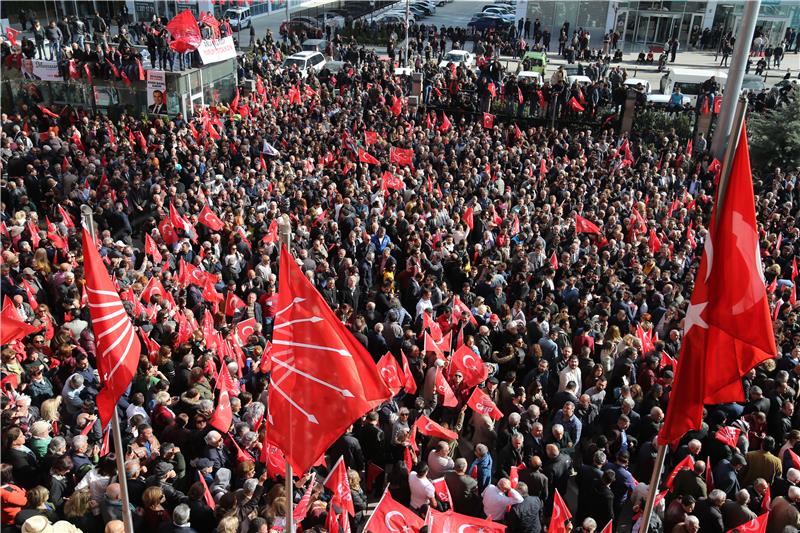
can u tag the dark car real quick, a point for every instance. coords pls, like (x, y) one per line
(301, 25)
(487, 23)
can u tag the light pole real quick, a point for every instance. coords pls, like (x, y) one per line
(407, 59)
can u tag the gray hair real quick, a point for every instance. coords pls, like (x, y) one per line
(793, 475)
(206, 405)
(629, 402)
(691, 520)
(180, 515)
(250, 485)
(600, 457)
(76, 381)
(717, 496)
(79, 440)
(482, 449)
(57, 446)
(589, 524)
(514, 418)
(743, 497)
(212, 436)
(460, 464)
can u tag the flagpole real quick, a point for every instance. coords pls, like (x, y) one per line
(727, 164)
(285, 234)
(730, 151)
(88, 221)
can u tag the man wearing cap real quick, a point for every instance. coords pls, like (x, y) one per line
(163, 476)
(726, 474)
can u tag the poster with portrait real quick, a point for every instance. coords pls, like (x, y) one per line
(156, 92)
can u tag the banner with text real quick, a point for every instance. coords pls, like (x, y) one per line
(214, 51)
(38, 69)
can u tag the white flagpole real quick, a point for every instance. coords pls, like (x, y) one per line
(88, 221)
(285, 233)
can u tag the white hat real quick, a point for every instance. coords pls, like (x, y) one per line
(37, 524)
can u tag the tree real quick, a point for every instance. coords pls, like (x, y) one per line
(775, 136)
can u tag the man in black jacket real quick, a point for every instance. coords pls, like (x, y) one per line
(588, 476)
(525, 517)
(463, 490)
(709, 512)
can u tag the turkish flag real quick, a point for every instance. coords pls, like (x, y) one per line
(469, 218)
(409, 384)
(480, 402)
(223, 414)
(766, 501)
(338, 483)
(167, 231)
(727, 328)
(401, 156)
(460, 309)
(66, 217)
(322, 377)
(29, 290)
(687, 463)
(451, 522)
(272, 233)
(118, 346)
(370, 137)
(583, 225)
(207, 493)
(150, 345)
(756, 525)
(366, 157)
(179, 221)
(153, 288)
(560, 515)
(444, 390)
(12, 34)
(442, 491)
(209, 219)
(390, 181)
(390, 516)
(717, 105)
(432, 326)
(151, 248)
(244, 329)
(470, 365)
(439, 347)
(232, 303)
(426, 426)
(728, 435)
(574, 105)
(517, 132)
(391, 373)
(488, 121)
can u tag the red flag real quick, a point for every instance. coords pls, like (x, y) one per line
(397, 106)
(370, 137)
(469, 219)
(88, 73)
(704, 108)
(153, 288)
(323, 379)
(274, 458)
(442, 491)
(452, 522)
(583, 225)
(709, 475)
(756, 525)
(480, 402)
(470, 365)
(185, 32)
(426, 426)
(14, 328)
(151, 248)
(391, 373)
(223, 414)
(560, 515)
(338, 483)
(689, 147)
(409, 384)
(150, 345)
(12, 34)
(207, 493)
(244, 329)
(492, 91)
(574, 105)
(232, 304)
(513, 476)
(609, 527)
(554, 261)
(118, 347)
(488, 121)
(795, 458)
(687, 463)
(459, 309)
(444, 390)
(728, 327)
(208, 218)
(766, 501)
(235, 102)
(366, 157)
(390, 516)
(390, 181)
(653, 242)
(46, 111)
(140, 69)
(401, 156)
(717, 105)
(445, 125)
(301, 509)
(728, 435)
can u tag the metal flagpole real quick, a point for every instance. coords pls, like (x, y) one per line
(407, 61)
(733, 85)
(285, 233)
(727, 163)
(88, 221)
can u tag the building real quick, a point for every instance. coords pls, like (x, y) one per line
(644, 23)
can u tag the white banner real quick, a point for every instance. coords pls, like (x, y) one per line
(214, 51)
(156, 92)
(37, 69)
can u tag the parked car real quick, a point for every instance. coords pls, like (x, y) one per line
(395, 18)
(530, 75)
(499, 10)
(304, 62)
(297, 26)
(239, 17)
(428, 7)
(537, 60)
(488, 22)
(458, 57)
(633, 82)
(509, 18)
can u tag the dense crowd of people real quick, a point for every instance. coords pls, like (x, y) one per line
(470, 230)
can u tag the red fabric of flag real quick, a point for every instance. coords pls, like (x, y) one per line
(401, 156)
(426, 426)
(488, 121)
(366, 157)
(470, 365)
(390, 516)
(469, 218)
(370, 137)
(583, 225)
(324, 378)
(728, 327)
(480, 402)
(391, 373)
(560, 515)
(185, 32)
(728, 435)
(452, 522)
(151, 248)
(118, 346)
(338, 483)
(444, 390)
(209, 219)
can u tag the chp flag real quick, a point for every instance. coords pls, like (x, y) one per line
(118, 347)
(322, 378)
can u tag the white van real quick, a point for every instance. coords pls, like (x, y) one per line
(304, 62)
(239, 17)
(690, 80)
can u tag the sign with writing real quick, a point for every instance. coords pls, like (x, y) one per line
(214, 51)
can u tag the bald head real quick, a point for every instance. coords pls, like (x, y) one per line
(113, 491)
(115, 526)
